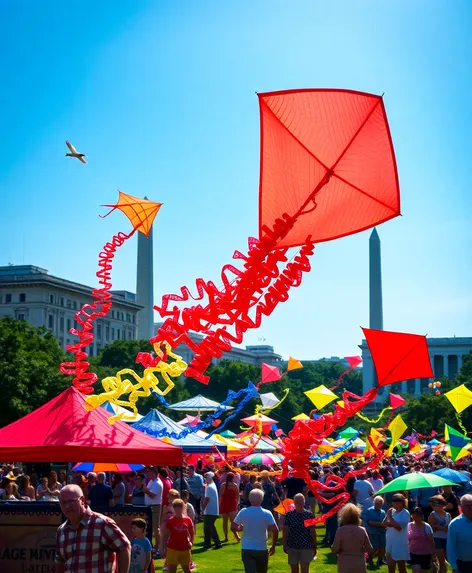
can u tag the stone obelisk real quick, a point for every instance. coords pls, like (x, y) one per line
(375, 282)
(145, 287)
(375, 292)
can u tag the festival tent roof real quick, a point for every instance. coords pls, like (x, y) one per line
(62, 430)
(198, 404)
(115, 409)
(155, 421)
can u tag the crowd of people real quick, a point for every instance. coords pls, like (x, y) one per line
(426, 528)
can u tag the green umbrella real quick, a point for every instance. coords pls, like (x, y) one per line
(348, 433)
(414, 480)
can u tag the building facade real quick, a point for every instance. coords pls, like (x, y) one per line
(30, 293)
(446, 355)
(249, 355)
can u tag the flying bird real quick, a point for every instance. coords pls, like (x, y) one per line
(75, 153)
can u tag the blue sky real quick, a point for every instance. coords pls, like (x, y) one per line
(161, 97)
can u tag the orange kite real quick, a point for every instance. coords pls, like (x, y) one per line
(141, 212)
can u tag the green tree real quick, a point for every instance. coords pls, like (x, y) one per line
(29, 368)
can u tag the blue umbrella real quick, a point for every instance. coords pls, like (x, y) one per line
(452, 475)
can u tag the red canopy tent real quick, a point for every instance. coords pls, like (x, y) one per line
(62, 430)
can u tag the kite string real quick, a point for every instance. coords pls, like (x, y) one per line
(343, 374)
(88, 313)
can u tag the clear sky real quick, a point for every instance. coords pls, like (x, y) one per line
(161, 96)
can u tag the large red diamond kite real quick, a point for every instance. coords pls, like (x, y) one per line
(327, 160)
(398, 356)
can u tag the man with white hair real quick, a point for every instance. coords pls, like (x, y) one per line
(210, 508)
(101, 494)
(373, 522)
(255, 522)
(459, 538)
(88, 541)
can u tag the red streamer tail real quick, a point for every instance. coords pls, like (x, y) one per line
(84, 380)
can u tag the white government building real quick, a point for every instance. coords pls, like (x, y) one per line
(30, 293)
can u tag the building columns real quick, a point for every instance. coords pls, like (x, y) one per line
(446, 365)
(417, 386)
(404, 387)
(459, 363)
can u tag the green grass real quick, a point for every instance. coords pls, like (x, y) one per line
(228, 559)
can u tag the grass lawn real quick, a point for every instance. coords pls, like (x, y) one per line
(228, 559)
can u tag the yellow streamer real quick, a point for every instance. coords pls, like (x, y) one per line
(461, 423)
(374, 421)
(117, 386)
(260, 408)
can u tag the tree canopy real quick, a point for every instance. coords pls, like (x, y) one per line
(29, 368)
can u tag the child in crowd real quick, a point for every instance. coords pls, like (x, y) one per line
(190, 511)
(188, 507)
(178, 538)
(141, 547)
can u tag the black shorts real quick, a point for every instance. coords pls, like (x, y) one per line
(421, 561)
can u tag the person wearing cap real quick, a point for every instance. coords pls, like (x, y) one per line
(196, 489)
(459, 538)
(255, 522)
(439, 520)
(210, 513)
(396, 521)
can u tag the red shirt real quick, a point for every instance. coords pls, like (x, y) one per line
(181, 533)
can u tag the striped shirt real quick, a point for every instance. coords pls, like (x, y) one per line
(92, 547)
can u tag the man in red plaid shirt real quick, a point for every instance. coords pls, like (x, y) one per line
(88, 542)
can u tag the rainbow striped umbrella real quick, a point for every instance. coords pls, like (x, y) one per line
(262, 459)
(106, 467)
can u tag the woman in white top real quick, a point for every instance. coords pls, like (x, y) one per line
(396, 521)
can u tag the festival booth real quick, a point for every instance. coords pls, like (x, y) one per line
(62, 430)
(156, 424)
